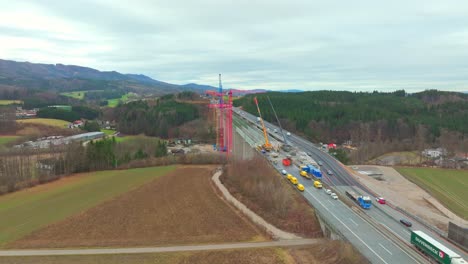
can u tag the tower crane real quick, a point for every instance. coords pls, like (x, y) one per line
(267, 146)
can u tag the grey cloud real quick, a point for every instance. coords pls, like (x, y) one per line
(356, 45)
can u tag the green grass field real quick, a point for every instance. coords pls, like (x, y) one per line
(45, 121)
(8, 102)
(115, 102)
(448, 186)
(108, 132)
(77, 95)
(25, 211)
(6, 139)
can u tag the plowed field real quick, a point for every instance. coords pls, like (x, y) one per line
(180, 207)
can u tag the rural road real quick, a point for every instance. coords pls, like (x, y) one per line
(101, 251)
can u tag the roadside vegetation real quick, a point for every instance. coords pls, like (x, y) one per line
(446, 185)
(261, 189)
(31, 209)
(330, 252)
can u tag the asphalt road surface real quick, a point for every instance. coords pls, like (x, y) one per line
(342, 180)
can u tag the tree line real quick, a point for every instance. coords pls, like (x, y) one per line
(161, 119)
(367, 119)
(27, 167)
(76, 113)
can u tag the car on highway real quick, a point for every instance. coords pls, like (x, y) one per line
(275, 130)
(329, 172)
(380, 200)
(406, 222)
(328, 191)
(300, 187)
(288, 134)
(289, 176)
(320, 163)
(294, 181)
(334, 196)
(284, 172)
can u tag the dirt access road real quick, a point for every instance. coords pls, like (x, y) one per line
(99, 251)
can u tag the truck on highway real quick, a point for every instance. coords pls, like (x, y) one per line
(318, 184)
(364, 201)
(434, 249)
(310, 169)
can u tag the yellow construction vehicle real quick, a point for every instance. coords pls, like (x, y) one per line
(267, 146)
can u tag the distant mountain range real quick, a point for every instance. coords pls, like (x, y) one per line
(59, 77)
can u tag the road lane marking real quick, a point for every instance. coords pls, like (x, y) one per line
(353, 221)
(330, 202)
(349, 229)
(395, 232)
(380, 232)
(385, 249)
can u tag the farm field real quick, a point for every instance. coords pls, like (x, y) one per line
(403, 157)
(8, 102)
(28, 210)
(6, 139)
(108, 132)
(45, 121)
(244, 256)
(180, 208)
(77, 94)
(447, 186)
(114, 102)
(131, 137)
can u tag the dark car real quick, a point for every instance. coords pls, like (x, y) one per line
(406, 222)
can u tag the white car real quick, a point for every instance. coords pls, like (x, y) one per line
(328, 191)
(288, 134)
(284, 172)
(334, 196)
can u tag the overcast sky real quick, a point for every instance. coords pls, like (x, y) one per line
(308, 45)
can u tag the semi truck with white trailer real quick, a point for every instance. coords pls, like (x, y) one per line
(363, 201)
(434, 249)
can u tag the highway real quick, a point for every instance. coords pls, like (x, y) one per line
(366, 236)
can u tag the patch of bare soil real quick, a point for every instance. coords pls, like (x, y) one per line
(244, 256)
(332, 252)
(405, 194)
(179, 208)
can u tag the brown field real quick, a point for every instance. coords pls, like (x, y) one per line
(332, 252)
(181, 207)
(243, 256)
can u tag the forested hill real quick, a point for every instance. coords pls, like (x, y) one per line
(339, 116)
(16, 76)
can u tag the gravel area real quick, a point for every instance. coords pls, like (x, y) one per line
(407, 195)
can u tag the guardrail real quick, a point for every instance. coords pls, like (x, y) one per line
(407, 248)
